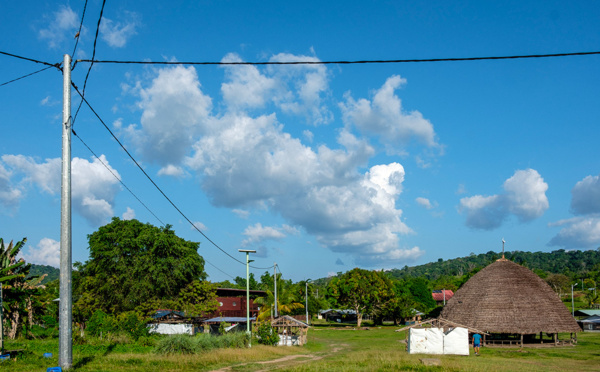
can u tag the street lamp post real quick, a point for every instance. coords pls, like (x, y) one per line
(247, 251)
(306, 298)
(572, 300)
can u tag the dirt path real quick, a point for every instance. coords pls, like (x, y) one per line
(287, 361)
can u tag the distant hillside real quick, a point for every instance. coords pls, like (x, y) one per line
(53, 272)
(556, 262)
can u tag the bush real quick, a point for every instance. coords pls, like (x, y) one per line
(176, 344)
(266, 335)
(100, 324)
(133, 324)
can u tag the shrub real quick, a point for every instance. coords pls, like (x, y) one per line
(266, 335)
(101, 323)
(133, 324)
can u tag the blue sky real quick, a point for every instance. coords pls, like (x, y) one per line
(320, 168)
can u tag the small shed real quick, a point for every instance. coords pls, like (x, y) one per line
(292, 332)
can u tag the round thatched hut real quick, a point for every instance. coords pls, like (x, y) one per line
(509, 299)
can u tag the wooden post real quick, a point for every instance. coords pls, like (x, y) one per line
(521, 340)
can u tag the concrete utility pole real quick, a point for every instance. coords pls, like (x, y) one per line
(248, 251)
(65, 352)
(275, 280)
(1, 323)
(306, 298)
(572, 300)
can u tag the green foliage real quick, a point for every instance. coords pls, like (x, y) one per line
(421, 293)
(52, 273)
(362, 291)
(198, 297)
(105, 325)
(132, 324)
(266, 335)
(185, 344)
(101, 323)
(571, 263)
(176, 344)
(132, 263)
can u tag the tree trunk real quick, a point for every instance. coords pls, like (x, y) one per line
(358, 319)
(14, 325)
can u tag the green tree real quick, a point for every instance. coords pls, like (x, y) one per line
(198, 297)
(287, 301)
(401, 305)
(132, 264)
(362, 291)
(419, 288)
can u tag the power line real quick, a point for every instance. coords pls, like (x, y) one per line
(341, 62)
(135, 196)
(117, 178)
(92, 64)
(57, 65)
(24, 76)
(152, 181)
(78, 35)
(132, 193)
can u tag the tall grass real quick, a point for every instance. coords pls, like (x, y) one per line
(184, 344)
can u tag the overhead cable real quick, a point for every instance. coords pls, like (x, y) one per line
(154, 183)
(91, 64)
(57, 65)
(117, 178)
(78, 35)
(135, 196)
(24, 76)
(374, 61)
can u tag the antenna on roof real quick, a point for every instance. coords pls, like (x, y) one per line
(503, 247)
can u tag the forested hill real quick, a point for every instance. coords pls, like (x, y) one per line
(38, 270)
(556, 262)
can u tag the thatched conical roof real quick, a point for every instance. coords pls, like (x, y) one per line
(505, 297)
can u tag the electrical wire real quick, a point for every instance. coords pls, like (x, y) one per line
(379, 61)
(135, 196)
(78, 35)
(57, 65)
(117, 178)
(152, 181)
(87, 75)
(24, 76)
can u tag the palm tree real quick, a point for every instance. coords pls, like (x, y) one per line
(286, 300)
(19, 291)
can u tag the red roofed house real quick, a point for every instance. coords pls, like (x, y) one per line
(442, 296)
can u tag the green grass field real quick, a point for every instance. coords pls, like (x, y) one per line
(329, 349)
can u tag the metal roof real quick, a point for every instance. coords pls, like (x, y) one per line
(228, 319)
(587, 312)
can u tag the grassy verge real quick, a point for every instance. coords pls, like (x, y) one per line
(376, 349)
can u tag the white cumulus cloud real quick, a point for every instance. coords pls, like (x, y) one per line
(47, 252)
(385, 117)
(62, 25)
(585, 196)
(129, 214)
(524, 197)
(582, 231)
(117, 33)
(174, 113)
(93, 187)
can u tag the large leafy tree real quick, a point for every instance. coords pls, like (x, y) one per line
(132, 264)
(362, 291)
